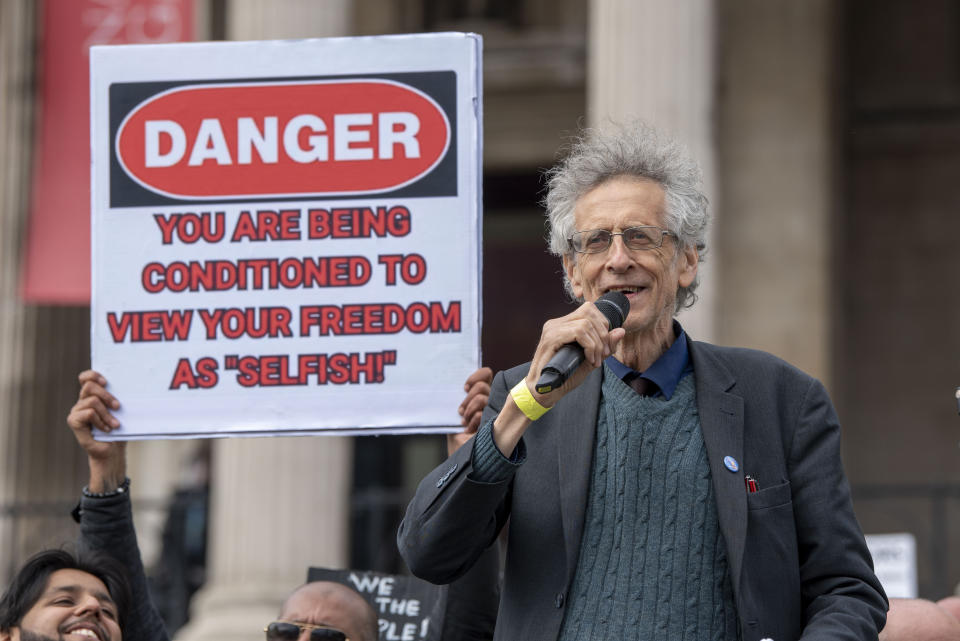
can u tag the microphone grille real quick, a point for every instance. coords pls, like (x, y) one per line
(615, 307)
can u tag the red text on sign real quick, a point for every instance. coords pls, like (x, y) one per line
(304, 369)
(358, 222)
(256, 273)
(189, 227)
(411, 267)
(268, 225)
(204, 375)
(379, 318)
(255, 322)
(138, 327)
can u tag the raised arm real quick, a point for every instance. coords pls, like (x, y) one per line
(105, 515)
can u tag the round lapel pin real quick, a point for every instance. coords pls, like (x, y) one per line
(731, 463)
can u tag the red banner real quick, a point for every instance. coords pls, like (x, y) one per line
(56, 266)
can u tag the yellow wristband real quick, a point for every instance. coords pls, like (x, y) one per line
(526, 402)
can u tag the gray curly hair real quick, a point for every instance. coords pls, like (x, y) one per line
(634, 149)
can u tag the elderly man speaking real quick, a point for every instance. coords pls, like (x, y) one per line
(669, 489)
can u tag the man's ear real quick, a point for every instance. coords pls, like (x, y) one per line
(689, 260)
(573, 274)
(13, 634)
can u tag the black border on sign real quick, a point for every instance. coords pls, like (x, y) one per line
(441, 181)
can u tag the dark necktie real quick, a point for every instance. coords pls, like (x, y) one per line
(643, 386)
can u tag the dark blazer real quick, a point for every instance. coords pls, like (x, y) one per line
(798, 561)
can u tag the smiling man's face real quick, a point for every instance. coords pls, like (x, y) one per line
(74, 606)
(650, 277)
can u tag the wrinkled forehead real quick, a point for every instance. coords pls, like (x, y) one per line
(321, 606)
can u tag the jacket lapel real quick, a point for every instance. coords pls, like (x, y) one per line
(575, 436)
(721, 419)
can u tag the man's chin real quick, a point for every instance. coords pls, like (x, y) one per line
(638, 324)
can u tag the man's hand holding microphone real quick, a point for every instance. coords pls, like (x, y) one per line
(570, 348)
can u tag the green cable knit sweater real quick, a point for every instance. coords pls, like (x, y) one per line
(652, 562)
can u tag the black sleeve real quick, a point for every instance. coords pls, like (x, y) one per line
(473, 600)
(453, 518)
(106, 528)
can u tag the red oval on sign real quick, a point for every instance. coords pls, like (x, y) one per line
(283, 139)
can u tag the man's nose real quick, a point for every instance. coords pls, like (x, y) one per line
(618, 255)
(88, 604)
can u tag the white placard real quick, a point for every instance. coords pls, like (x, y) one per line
(286, 234)
(895, 563)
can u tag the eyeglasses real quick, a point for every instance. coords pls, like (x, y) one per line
(594, 241)
(290, 631)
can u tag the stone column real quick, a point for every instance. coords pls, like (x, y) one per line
(16, 57)
(42, 348)
(279, 505)
(776, 169)
(266, 19)
(157, 470)
(653, 60)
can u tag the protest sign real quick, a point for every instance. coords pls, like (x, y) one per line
(895, 563)
(408, 608)
(286, 234)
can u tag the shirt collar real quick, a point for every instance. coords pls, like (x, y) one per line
(667, 370)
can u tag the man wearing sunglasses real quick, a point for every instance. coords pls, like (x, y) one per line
(291, 631)
(669, 488)
(324, 611)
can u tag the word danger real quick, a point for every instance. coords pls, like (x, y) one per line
(351, 139)
(293, 138)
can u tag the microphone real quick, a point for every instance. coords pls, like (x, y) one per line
(615, 307)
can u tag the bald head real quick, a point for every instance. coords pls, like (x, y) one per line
(334, 605)
(919, 620)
